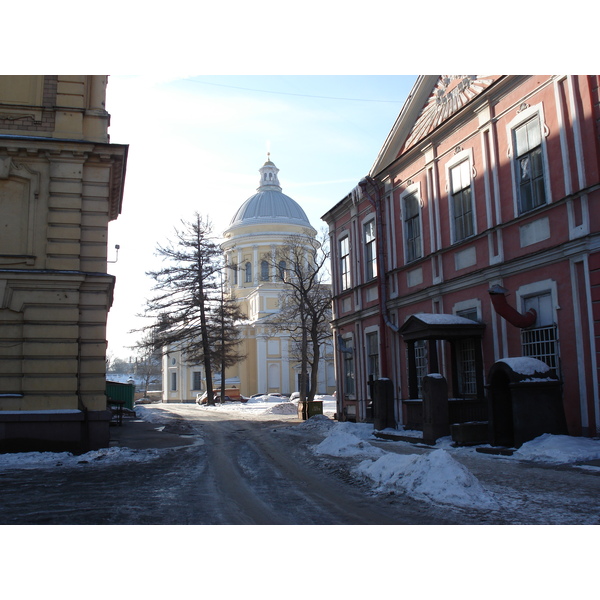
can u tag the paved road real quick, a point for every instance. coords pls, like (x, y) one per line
(260, 472)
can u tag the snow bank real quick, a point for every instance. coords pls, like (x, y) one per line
(435, 477)
(343, 443)
(318, 423)
(46, 460)
(283, 408)
(559, 449)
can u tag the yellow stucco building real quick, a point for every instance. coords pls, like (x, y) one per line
(261, 225)
(61, 182)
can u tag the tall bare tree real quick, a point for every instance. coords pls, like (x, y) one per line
(305, 302)
(187, 307)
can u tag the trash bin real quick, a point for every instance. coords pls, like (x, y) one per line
(121, 392)
(524, 401)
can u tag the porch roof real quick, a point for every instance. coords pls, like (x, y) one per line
(430, 326)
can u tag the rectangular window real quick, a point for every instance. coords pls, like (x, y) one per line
(370, 251)
(196, 380)
(529, 165)
(345, 263)
(174, 382)
(412, 228)
(372, 355)
(421, 364)
(461, 201)
(349, 385)
(465, 358)
(541, 341)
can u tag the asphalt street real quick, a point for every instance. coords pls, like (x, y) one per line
(207, 468)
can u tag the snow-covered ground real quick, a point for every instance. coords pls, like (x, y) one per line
(435, 476)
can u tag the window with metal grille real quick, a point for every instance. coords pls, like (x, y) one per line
(462, 202)
(465, 358)
(467, 381)
(345, 263)
(248, 272)
(412, 228)
(529, 165)
(541, 341)
(370, 251)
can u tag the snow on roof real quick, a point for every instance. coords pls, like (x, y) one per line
(443, 319)
(525, 365)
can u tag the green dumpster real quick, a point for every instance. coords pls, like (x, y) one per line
(121, 392)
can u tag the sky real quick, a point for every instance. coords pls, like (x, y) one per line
(200, 92)
(196, 144)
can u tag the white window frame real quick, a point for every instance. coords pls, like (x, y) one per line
(539, 288)
(415, 190)
(370, 271)
(345, 276)
(455, 161)
(522, 117)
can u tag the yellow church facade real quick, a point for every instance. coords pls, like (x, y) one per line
(261, 226)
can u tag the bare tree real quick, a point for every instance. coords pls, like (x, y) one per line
(305, 301)
(148, 365)
(186, 308)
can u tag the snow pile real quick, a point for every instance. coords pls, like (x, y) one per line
(435, 477)
(343, 443)
(283, 408)
(559, 449)
(45, 460)
(317, 423)
(362, 430)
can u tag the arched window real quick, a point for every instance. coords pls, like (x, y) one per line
(282, 267)
(264, 271)
(248, 272)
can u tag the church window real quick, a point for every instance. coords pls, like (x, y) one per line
(282, 268)
(248, 272)
(264, 271)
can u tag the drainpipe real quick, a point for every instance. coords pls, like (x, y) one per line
(507, 312)
(381, 270)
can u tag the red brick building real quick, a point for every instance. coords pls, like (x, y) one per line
(474, 237)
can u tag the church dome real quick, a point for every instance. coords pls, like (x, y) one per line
(269, 205)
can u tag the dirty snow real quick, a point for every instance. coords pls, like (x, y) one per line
(559, 449)
(49, 460)
(434, 477)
